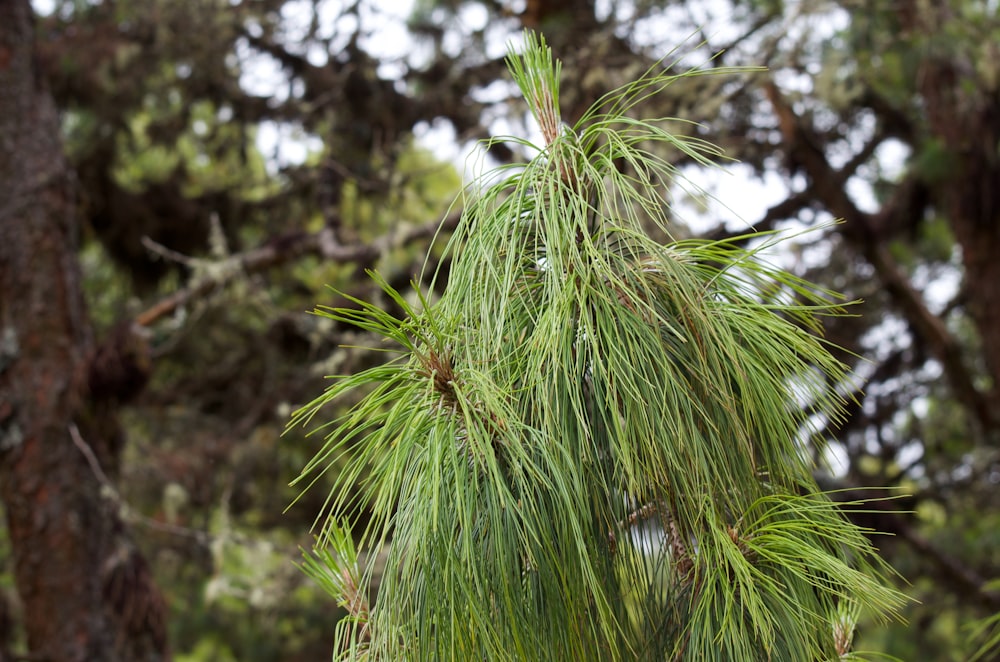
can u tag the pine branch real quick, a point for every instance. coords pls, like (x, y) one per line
(575, 378)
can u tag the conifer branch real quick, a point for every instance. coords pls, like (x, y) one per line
(573, 368)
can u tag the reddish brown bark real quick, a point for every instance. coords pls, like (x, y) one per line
(964, 113)
(972, 200)
(86, 592)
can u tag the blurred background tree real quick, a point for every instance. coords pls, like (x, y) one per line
(229, 159)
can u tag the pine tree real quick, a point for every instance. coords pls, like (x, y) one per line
(591, 446)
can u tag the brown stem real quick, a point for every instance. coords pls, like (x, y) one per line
(285, 249)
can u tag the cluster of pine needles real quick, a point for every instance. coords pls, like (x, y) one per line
(590, 447)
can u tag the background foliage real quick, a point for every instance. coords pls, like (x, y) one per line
(232, 158)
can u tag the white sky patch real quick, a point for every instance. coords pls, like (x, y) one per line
(732, 196)
(384, 35)
(296, 16)
(892, 155)
(43, 7)
(473, 17)
(285, 145)
(679, 29)
(439, 137)
(837, 460)
(260, 74)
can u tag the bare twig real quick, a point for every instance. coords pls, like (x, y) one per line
(166, 253)
(128, 513)
(281, 250)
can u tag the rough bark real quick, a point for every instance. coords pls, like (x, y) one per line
(966, 117)
(85, 591)
(963, 112)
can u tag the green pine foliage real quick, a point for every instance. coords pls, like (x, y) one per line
(589, 447)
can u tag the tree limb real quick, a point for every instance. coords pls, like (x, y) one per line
(281, 250)
(865, 232)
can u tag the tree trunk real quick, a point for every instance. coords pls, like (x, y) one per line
(86, 592)
(964, 113)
